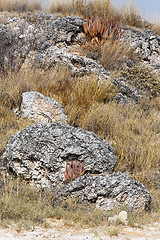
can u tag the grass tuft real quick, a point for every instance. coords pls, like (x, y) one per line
(20, 6)
(114, 54)
(128, 14)
(133, 131)
(131, 16)
(144, 79)
(113, 231)
(22, 204)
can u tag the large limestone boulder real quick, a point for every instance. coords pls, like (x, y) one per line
(113, 190)
(78, 65)
(36, 106)
(39, 153)
(146, 43)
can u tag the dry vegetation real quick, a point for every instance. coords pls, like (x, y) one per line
(26, 207)
(127, 14)
(134, 130)
(58, 84)
(143, 78)
(156, 25)
(20, 6)
(113, 55)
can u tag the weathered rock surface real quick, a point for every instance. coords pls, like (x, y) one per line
(78, 65)
(44, 41)
(36, 106)
(109, 191)
(122, 217)
(127, 92)
(145, 42)
(51, 31)
(39, 153)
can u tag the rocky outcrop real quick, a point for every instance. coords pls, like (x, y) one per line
(13, 46)
(36, 106)
(145, 42)
(44, 41)
(113, 190)
(41, 31)
(51, 31)
(78, 65)
(39, 153)
(38, 32)
(127, 92)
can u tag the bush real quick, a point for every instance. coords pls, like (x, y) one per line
(144, 79)
(113, 55)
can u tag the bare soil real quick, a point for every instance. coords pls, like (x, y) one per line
(58, 230)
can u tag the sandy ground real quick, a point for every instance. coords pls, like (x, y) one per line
(59, 231)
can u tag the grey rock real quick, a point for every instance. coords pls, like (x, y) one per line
(51, 31)
(45, 41)
(36, 106)
(122, 217)
(113, 190)
(19, 37)
(127, 92)
(39, 153)
(78, 65)
(145, 42)
(16, 40)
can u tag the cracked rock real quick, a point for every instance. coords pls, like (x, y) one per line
(36, 106)
(39, 153)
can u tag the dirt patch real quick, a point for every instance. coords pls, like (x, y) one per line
(58, 230)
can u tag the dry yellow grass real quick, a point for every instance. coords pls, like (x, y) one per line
(156, 25)
(128, 14)
(58, 84)
(22, 204)
(113, 231)
(131, 15)
(20, 6)
(111, 54)
(11, 87)
(114, 53)
(132, 129)
(82, 8)
(134, 132)
(17, 199)
(156, 28)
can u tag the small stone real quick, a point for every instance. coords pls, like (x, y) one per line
(36, 106)
(123, 216)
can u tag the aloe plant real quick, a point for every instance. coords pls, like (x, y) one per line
(96, 27)
(73, 170)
